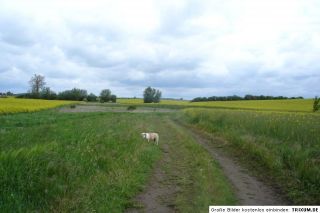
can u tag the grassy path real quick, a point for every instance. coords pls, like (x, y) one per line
(249, 190)
(159, 194)
(172, 183)
(186, 179)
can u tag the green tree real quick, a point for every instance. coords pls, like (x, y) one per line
(157, 96)
(47, 93)
(151, 95)
(105, 95)
(113, 98)
(9, 93)
(91, 97)
(148, 95)
(74, 94)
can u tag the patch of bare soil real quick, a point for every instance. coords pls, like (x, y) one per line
(159, 194)
(248, 189)
(97, 108)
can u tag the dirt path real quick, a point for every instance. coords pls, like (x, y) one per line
(159, 194)
(249, 190)
(111, 108)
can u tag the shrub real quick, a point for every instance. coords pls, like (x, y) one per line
(113, 98)
(48, 94)
(131, 107)
(91, 97)
(74, 94)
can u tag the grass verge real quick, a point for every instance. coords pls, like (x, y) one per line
(285, 145)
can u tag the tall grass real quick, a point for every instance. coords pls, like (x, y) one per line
(14, 105)
(79, 162)
(285, 144)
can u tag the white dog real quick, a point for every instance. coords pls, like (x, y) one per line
(151, 136)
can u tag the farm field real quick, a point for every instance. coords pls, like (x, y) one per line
(92, 157)
(159, 106)
(293, 105)
(285, 145)
(53, 161)
(14, 105)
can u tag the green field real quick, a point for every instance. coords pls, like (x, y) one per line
(96, 161)
(285, 145)
(62, 162)
(14, 105)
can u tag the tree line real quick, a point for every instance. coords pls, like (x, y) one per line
(238, 98)
(150, 95)
(5, 94)
(39, 91)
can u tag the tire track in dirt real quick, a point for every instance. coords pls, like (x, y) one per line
(248, 189)
(159, 194)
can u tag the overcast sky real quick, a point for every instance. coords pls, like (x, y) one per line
(185, 48)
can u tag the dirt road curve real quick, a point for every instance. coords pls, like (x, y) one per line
(249, 190)
(160, 192)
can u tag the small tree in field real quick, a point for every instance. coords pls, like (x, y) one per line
(316, 105)
(36, 83)
(157, 96)
(148, 95)
(47, 93)
(151, 95)
(113, 98)
(105, 95)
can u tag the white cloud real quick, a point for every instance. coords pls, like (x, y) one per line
(220, 47)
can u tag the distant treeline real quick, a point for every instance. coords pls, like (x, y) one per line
(73, 94)
(238, 98)
(39, 91)
(5, 94)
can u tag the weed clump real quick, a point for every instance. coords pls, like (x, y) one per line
(131, 107)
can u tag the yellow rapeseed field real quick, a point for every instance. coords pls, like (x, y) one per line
(13, 105)
(292, 105)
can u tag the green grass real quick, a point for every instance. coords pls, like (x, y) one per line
(292, 105)
(86, 162)
(200, 178)
(286, 145)
(64, 162)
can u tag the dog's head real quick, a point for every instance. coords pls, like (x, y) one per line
(144, 135)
